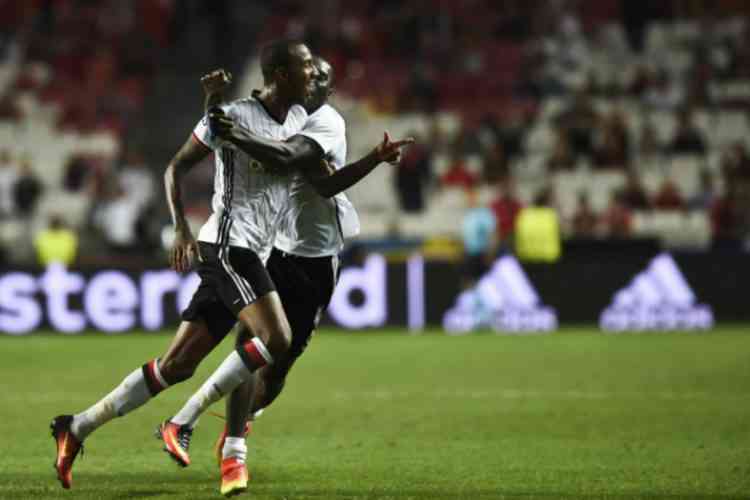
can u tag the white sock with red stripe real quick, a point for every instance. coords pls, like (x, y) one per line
(234, 447)
(133, 392)
(233, 371)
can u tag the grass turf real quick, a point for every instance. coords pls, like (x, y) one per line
(385, 415)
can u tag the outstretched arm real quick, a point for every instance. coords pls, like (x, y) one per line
(185, 248)
(330, 182)
(297, 152)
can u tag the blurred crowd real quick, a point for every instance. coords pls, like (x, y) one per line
(497, 63)
(612, 76)
(120, 215)
(76, 74)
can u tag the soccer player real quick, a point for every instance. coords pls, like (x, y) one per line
(303, 263)
(231, 248)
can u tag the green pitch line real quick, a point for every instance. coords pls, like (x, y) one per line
(385, 415)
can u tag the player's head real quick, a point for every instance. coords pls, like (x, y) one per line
(322, 84)
(288, 65)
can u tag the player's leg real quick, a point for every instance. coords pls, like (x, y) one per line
(249, 290)
(189, 346)
(180, 362)
(271, 339)
(243, 403)
(238, 404)
(205, 322)
(305, 287)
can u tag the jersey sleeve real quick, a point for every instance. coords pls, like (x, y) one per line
(202, 134)
(326, 128)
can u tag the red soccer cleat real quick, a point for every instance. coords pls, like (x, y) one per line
(176, 441)
(233, 477)
(68, 447)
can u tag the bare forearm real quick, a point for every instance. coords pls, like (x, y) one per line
(188, 156)
(172, 180)
(347, 176)
(275, 154)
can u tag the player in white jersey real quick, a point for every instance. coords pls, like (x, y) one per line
(234, 283)
(304, 264)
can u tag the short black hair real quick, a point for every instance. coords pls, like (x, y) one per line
(275, 55)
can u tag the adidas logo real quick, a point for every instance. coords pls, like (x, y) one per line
(658, 298)
(504, 300)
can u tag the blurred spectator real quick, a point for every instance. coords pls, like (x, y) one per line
(458, 173)
(136, 179)
(421, 92)
(538, 230)
(27, 189)
(664, 93)
(705, 197)
(117, 219)
(513, 131)
(438, 139)
(506, 207)
(56, 243)
(649, 142)
(614, 142)
(687, 138)
(640, 81)
(495, 164)
(578, 121)
(727, 219)
(735, 163)
(412, 175)
(562, 156)
(488, 133)
(9, 108)
(616, 219)
(478, 232)
(76, 174)
(8, 178)
(584, 218)
(633, 195)
(668, 197)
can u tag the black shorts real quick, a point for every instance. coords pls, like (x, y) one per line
(305, 285)
(228, 284)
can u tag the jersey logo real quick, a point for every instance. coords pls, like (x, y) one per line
(256, 167)
(658, 298)
(503, 299)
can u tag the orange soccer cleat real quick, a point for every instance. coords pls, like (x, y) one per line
(176, 441)
(233, 477)
(68, 447)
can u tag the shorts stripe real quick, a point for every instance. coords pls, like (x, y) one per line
(242, 285)
(225, 227)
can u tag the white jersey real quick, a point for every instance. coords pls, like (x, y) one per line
(248, 199)
(313, 226)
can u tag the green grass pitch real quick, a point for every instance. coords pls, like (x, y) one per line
(385, 415)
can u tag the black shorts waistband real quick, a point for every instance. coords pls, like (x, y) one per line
(288, 255)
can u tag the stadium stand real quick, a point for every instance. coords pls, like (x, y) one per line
(564, 96)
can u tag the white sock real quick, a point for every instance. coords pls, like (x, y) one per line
(235, 447)
(126, 397)
(231, 373)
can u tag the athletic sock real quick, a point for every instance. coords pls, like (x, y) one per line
(135, 389)
(233, 371)
(234, 447)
